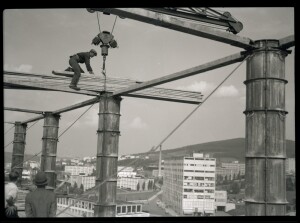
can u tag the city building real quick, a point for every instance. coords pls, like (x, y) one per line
(79, 170)
(155, 173)
(126, 171)
(189, 184)
(85, 207)
(135, 183)
(290, 165)
(231, 170)
(87, 181)
(221, 201)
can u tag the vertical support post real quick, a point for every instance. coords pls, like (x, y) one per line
(265, 190)
(49, 148)
(107, 155)
(159, 164)
(18, 148)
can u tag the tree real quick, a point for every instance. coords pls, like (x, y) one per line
(235, 188)
(143, 186)
(138, 186)
(81, 187)
(149, 185)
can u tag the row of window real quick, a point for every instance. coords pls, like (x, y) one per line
(198, 190)
(198, 184)
(129, 209)
(200, 171)
(196, 196)
(199, 178)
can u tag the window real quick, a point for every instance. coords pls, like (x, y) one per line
(184, 196)
(138, 208)
(199, 178)
(198, 191)
(128, 209)
(188, 190)
(123, 209)
(133, 208)
(118, 209)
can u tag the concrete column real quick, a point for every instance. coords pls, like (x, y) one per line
(265, 191)
(18, 148)
(49, 148)
(107, 155)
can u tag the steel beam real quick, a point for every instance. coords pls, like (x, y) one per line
(185, 73)
(49, 148)
(107, 155)
(180, 25)
(287, 42)
(23, 110)
(265, 190)
(72, 107)
(18, 148)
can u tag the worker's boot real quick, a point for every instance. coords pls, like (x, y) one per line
(70, 69)
(74, 83)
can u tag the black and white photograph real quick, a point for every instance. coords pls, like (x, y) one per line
(149, 113)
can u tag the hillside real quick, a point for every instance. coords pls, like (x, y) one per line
(224, 150)
(8, 156)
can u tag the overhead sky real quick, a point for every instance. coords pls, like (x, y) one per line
(41, 40)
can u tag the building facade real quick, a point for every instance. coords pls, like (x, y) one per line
(134, 183)
(290, 166)
(87, 181)
(85, 207)
(126, 171)
(189, 184)
(231, 170)
(79, 170)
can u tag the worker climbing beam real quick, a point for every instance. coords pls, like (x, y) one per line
(177, 24)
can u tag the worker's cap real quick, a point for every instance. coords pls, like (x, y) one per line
(40, 179)
(94, 51)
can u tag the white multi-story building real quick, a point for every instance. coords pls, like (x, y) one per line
(87, 181)
(126, 171)
(133, 182)
(79, 170)
(189, 184)
(290, 165)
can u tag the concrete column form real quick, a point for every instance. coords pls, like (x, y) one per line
(18, 148)
(265, 192)
(49, 148)
(107, 155)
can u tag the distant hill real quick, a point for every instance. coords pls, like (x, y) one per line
(8, 156)
(224, 150)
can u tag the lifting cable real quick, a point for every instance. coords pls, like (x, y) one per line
(57, 138)
(152, 150)
(26, 129)
(9, 130)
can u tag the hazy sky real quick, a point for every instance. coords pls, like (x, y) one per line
(41, 40)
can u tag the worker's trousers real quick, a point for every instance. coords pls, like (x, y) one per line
(77, 70)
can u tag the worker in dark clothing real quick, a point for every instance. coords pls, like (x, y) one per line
(40, 202)
(83, 57)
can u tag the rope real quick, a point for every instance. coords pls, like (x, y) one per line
(114, 25)
(58, 137)
(98, 23)
(152, 150)
(13, 127)
(9, 130)
(199, 104)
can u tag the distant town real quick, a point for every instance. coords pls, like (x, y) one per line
(195, 184)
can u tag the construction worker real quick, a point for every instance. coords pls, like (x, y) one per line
(41, 202)
(83, 57)
(11, 194)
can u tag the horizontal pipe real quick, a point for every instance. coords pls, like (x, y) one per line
(23, 110)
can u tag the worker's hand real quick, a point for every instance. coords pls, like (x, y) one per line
(10, 210)
(91, 72)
